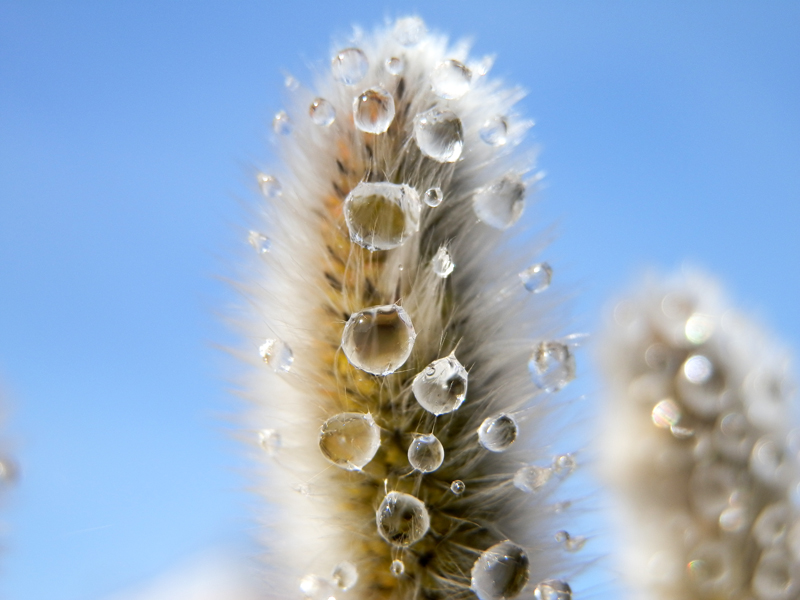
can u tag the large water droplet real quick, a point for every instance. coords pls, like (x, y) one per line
(345, 575)
(349, 440)
(259, 241)
(409, 31)
(500, 204)
(434, 197)
(552, 589)
(458, 487)
(270, 441)
(442, 263)
(451, 80)
(314, 587)
(531, 479)
(772, 524)
(322, 112)
(500, 572)
(379, 339)
(497, 433)
(397, 568)
(381, 216)
(442, 386)
(495, 131)
(395, 65)
(402, 519)
(373, 110)
(281, 123)
(552, 366)
(537, 278)
(426, 453)
(350, 66)
(775, 578)
(277, 354)
(439, 135)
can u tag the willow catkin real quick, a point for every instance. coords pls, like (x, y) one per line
(403, 365)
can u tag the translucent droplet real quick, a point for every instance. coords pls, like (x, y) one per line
(277, 354)
(439, 135)
(442, 263)
(710, 569)
(552, 589)
(732, 436)
(397, 568)
(451, 80)
(531, 479)
(769, 462)
(381, 216)
(772, 524)
(426, 453)
(270, 187)
(733, 518)
(259, 241)
(350, 66)
(322, 112)
(281, 124)
(344, 575)
(500, 572)
(373, 110)
(442, 386)
(537, 278)
(495, 131)
(552, 366)
(571, 543)
(698, 369)
(458, 487)
(710, 489)
(402, 519)
(379, 339)
(500, 204)
(699, 328)
(700, 386)
(302, 488)
(350, 440)
(433, 197)
(317, 588)
(395, 65)
(564, 464)
(496, 434)
(666, 414)
(291, 83)
(409, 31)
(775, 577)
(270, 441)
(8, 471)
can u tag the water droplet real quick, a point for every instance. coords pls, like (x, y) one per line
(434, 197)
(496, 434)
(379, 339)
(711, 487)
(769, 462)
(350, 66)
(317, 588)
(344, 575)
(302, 488)
(775, 577)
(698, 369)
(381, 216)
(500, 204)
(571, 543)
(500, 572)
(373, 110)
(442, 386)
(322, 112)
(402, 519)
(270, 441)
(733, 518)
(349, 440)
(710, 569)
(699, 328)
(564, 464)
(552, 366)
(409, 31)
(397, 568)
(277, 354)
(666, 414)
(439, 135)
(395, 65)
(426, 453)
(451, 80)
(537, 278)
(552, 589)
(270, 187)
(531, 479)
(732, 437)
(281, 124)
(9, 471)
(701, 386)
(495, 131)
(291, 83)
(259, 241)
(442, 263)
(458, 487)
(772, 524)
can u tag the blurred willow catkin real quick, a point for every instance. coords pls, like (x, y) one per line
(404, 365)
(699, 445)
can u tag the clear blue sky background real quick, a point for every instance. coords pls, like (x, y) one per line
(128, 130)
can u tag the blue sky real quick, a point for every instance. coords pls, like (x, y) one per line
(670, 131)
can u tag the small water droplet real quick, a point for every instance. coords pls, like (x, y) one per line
(732, 436)
(317, 588)
(537, 278)
(769, 462)
(434, 197)
(571, 543)
(699, 328)
(698, 369)
(439, 135)
(426, 453)
(373, 110)
(531, 479)
(397, 568)
(381, 216)
(495, 131)
(700, 386)
(281, 124)
(560, 507)
(501, 572)
(775, 577)
(349, 66)
(564, 464)
(409, 31)
(772, 524)
(270, 441)
(402, 519)
(450, 80)
(350, 440)
(277, 354)
(9, 471)
(270, 187)
(500, 204)
(379, 339)
(345, 575)
(322, 112)
(442, 264)
(733, 518)
(552, 589)
(496, 434)
(710, 489)
(395, 65)
(259, 241)
(302, 488)
(552, 366)
(441, 387)
(458, 487)
(666, 414)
